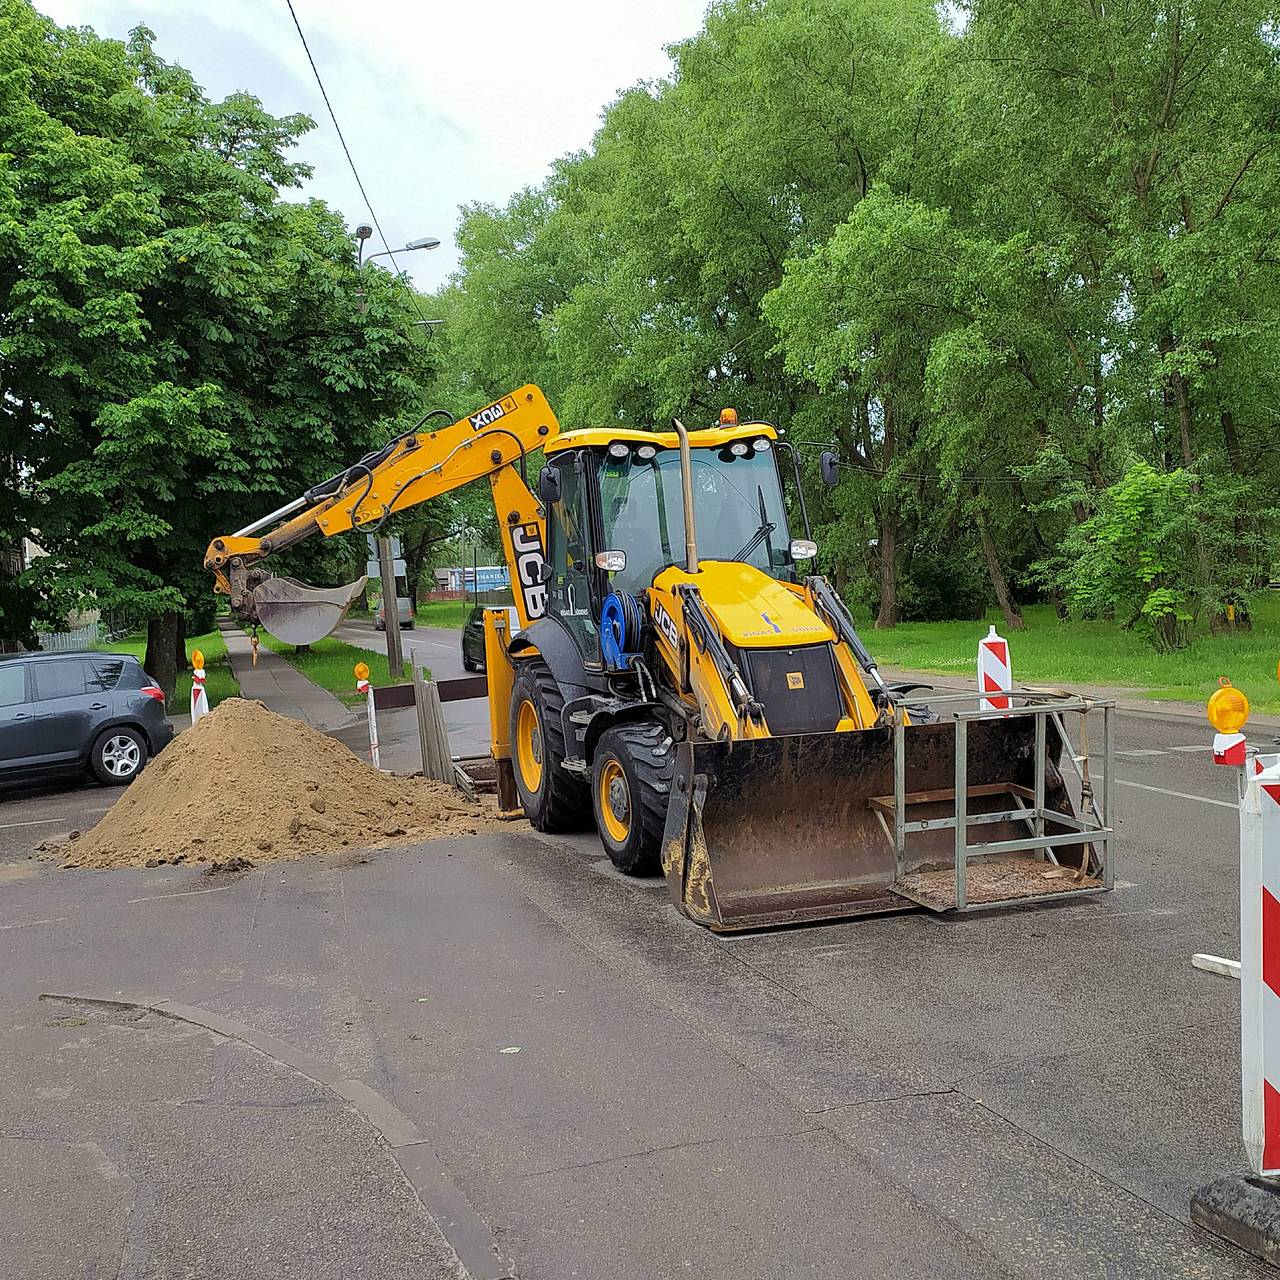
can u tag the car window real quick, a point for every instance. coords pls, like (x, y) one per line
(59, 679)
(104, 674)
(13, 683)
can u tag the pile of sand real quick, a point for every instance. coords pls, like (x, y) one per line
(245, 785)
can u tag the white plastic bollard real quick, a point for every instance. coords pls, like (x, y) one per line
(995, 672)
(1260, 962)
(199, 699)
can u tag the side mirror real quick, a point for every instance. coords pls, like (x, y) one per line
(829, 468)
(803, 549)
(549, 486)
(611, 561)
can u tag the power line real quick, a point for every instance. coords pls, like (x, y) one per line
(355, 173)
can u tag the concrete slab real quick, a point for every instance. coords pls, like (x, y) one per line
(1243, 1210)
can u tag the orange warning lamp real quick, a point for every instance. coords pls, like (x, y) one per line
(1228, 708)
(197, 659)
(362, 670)
(728, 417)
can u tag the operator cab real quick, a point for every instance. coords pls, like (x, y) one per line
(618, 491)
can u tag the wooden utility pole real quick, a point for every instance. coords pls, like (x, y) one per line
(390, 608)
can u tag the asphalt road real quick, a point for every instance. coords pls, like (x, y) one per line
(439, 650)
(578, 1082)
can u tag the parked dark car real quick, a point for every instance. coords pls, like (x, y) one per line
(63, 713)
(473, 636)
(473, 641)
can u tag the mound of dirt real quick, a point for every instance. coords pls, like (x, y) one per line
(245, 786)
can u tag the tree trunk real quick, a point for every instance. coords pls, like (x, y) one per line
(888, 614)
(1232, 438)
(180, 643)
(162, 650)
(995, 570)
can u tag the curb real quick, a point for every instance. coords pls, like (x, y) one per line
(466, 1231)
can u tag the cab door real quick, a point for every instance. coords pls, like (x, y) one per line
(572, 586)
(65, 708)
(17, 717)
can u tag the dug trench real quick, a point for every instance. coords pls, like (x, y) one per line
(245, 786)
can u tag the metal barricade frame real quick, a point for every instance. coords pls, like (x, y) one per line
(1093, 826)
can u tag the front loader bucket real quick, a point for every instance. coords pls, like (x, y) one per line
(782, 830)
(299, 614)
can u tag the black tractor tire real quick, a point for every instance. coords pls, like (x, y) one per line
(631, 775)
(117, 755)
(560, 801)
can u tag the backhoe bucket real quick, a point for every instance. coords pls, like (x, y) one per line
(299, 614)
(783, 830)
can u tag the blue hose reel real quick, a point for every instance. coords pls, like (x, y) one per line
(621, 620)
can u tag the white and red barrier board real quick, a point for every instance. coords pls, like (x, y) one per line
(1260, 961)
(995, 672)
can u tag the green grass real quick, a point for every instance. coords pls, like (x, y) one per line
(219, 682)
(330, 663)
(1098, 653)
(444, 613)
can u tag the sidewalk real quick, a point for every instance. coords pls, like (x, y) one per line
(279, 687)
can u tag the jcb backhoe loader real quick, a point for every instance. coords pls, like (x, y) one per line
(680, 681)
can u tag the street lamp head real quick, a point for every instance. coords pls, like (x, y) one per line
(424, 242)
(364, 231)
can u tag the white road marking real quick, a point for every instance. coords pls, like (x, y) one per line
(1139, 753)
(44, 822)
(1181, 795)
(185, 893)
(1200, 746)
(27, 924)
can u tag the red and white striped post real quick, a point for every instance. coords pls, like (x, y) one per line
(1245, 1208)
(199, 699)
(995, 672)
(363, 686)
(1260, 962)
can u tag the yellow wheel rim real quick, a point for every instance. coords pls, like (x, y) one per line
(529, 746)
(615, 802)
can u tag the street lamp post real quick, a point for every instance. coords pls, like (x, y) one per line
(363, 232)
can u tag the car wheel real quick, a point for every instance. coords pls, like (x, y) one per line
(118, 756)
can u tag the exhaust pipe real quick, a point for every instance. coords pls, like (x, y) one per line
(686, 487)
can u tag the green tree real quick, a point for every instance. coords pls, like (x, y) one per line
(179, 345)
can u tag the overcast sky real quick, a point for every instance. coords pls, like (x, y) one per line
(441, 103)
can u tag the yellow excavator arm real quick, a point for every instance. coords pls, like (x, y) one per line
(493, 442)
